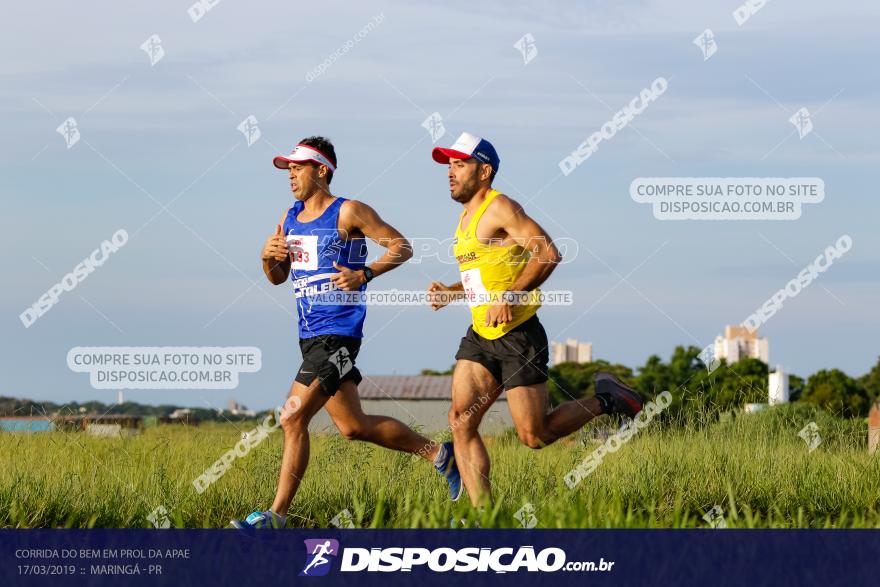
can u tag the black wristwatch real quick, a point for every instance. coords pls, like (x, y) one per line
(368, 274)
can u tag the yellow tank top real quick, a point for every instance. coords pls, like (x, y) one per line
(487, 271)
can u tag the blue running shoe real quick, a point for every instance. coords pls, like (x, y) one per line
(267, 519)
(449, 470)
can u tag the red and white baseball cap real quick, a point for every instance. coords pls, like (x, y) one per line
(301, 154)
(468, 146)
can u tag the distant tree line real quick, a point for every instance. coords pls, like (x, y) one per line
(10, 406)
(725, 388)
(685, 376)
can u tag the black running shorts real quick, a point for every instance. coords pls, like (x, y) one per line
(518, 358)
(329, 357)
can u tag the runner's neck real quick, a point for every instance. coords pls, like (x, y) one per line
(471, 207)
(317, 203)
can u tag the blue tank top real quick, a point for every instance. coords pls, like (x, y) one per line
(313, 247)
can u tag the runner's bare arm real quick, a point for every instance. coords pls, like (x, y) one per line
(508, 216)
(276, 260)
(357, 217)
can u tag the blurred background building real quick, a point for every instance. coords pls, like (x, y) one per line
(740, 343)
(571, 351)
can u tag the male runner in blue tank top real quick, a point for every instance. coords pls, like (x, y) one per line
(321, 244)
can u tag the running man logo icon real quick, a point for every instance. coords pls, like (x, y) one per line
(434, 125)
(153, 48)
(250, 129)
(707, 356)
(802, 122)
(526, 516)
(527, 47)
(810, 435)
(341, 360)
(706, 43)
(70, 131)
(320, 553)
(715, 517)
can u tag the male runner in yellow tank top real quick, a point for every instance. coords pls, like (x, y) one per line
(504, 256)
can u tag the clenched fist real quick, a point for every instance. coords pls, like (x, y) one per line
(347, 279)
(275, 247)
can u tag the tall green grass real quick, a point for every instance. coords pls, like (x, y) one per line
(752, 465)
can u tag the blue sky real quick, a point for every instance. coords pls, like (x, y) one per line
(192, 277)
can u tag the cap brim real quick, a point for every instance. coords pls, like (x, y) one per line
(282, 162)
(443, 155)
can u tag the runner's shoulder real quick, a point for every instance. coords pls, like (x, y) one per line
(284, 216)
(504, 206)
(355, 212)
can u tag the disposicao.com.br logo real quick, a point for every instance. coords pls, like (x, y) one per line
(442, 560)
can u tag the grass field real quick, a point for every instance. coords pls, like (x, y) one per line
(755, 466)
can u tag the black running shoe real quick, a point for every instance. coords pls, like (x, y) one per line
(621, 399)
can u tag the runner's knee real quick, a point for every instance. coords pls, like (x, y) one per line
(463, 420)
(294, 421)
(352, 431)
(530, 439)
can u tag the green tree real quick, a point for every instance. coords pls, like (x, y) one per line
(743, 382)
(871, 382)
(575, 380)
(836, 392)
(684, 365)
(795, 388)
(682, 375)
(653, 377)
(432, 372)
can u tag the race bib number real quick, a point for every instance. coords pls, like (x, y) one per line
(474, 290)
(303, 251)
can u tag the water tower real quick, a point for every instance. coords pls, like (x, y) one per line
(777, 388)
